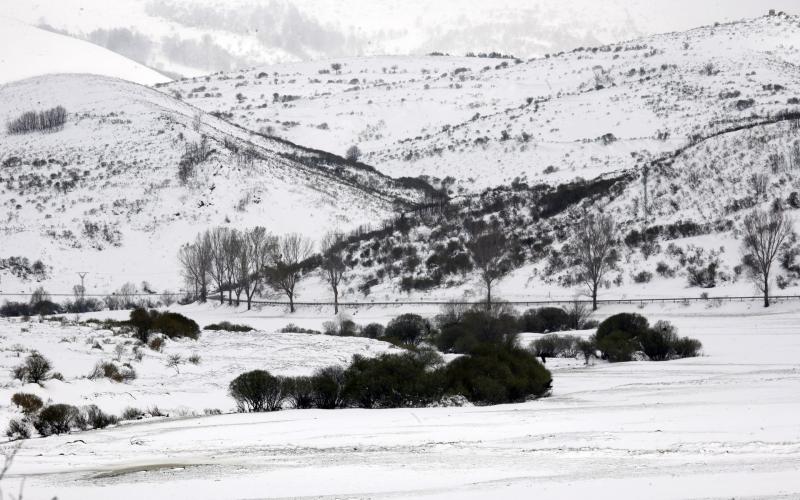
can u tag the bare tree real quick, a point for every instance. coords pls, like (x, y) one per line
(232, 246)
(595, 244)
(764, 234)
(219, 263)
(195, 258)
(333, 265)
(353, 153)
(487, 250)
(258, 247)
(286, 269)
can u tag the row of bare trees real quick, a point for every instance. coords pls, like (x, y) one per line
(243, 263)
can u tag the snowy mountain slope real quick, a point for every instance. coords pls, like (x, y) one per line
(103, 193)
(487, 121)
(26, 51)
(193, 37)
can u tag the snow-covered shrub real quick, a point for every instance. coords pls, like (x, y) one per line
(18, 429)
(131, 413)
(256, 390)
(497, 374)
(109, 370)
(28, 403)
(56, 419)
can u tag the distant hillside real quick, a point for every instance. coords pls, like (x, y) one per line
(103, 192)
(26, 51)
(487, 121)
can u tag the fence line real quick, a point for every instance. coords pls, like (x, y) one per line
(619, 301)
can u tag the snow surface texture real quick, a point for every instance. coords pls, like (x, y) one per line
(720, 426)
(26, 51)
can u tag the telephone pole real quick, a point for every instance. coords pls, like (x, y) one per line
(82, 274)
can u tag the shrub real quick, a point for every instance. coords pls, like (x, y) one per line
(328, 387)
(56, 419)
(107, 369)
(630, 324)
(18, 429)
(96, 418)
(407, 329)
(28, 403)
(256, 390)
(477, 327)
(587, 348)
(658, 342)
(131, 413)
(15, 309)
(373, 331)
(292, 328)
(544, 320)
(299, 391)
(617, 346)
(392, 380)
(687, 348)
(642, 277)
(171, 324)
(194, 359)
(556, 346)
(35, 370)
(497, 374)
(703, 276)
(228, 327)
(156, 344)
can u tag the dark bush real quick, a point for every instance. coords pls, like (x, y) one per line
(107, 369)
(497, 374)
(556, 346)
(703, 276)
(28, 403)
(299, 391)
(15, 309)
(544, 320)
(658, 342)
(642, 277)
(56, 419)
(328, 387)
(228, 327)
(96, 418)
(373, 331)
(35, 370)
(617, 346)
(171, 324)
(18, 429)
(408, 329)
(45, 307)
(686, 347)
(477, 327)
(392, 381)
(256, 390)
(630, 324)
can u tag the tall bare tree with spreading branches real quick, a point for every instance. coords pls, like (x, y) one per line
(286, 269)
(595, 245)
(333, 263)
(764, 234)
(487, 250)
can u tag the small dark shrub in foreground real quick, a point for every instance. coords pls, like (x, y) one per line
(18, 429)
(171, 324)
(477, 327)
(373, 331)
(394, 380)
(544, 320)
(107, 369)
(35, 370)
(97, 419)
(622, 335)
(556, 346)
(298, 391)
(328, 387)
(408, 329)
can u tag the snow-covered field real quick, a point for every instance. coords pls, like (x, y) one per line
(724, 425)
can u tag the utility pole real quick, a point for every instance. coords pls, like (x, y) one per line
(83, 274)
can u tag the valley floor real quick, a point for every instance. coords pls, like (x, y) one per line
(725, 425)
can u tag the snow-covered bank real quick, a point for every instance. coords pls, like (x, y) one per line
(719, 426)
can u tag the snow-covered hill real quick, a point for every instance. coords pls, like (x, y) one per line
(27, 51)
(487, 121)
(102, 194)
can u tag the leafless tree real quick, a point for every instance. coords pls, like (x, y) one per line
(286, 269)
(195, 259)
(353, 153)
(764, 234)
(487, 250)
(333, 265)
(595, 244)
(258, 247)
(232, 246)
(219, 263)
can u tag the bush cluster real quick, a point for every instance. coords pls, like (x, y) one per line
(31, 121)
(620, 336)
(491, 374)
(172, 325)
(228, 327)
